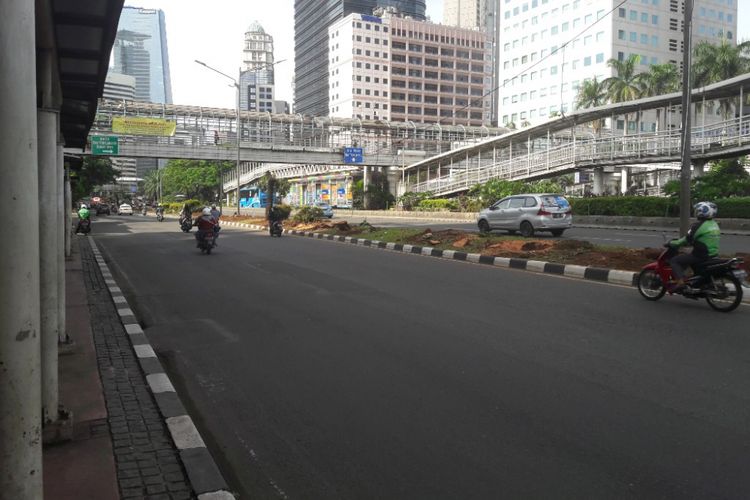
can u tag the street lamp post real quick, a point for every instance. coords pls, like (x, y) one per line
(236, 83)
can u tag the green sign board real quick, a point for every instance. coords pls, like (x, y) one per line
(104, 145)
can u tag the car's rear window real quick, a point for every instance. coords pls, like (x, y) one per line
(555, 201)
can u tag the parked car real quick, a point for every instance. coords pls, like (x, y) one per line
(125, 209)
(527, 214)
(326, 208)
(103, 209)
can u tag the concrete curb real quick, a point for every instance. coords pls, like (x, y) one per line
(613, 276)
(202, 471)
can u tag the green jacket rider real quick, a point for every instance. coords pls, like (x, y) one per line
(83, 212)
(704, 237)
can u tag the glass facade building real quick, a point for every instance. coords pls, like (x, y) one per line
(311, 52)
(140, 50)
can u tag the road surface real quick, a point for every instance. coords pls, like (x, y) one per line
(323, 370)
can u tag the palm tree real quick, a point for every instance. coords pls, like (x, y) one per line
(151, 184)
(592, 93)
(713, 63)
(660, 79)
(627, 84)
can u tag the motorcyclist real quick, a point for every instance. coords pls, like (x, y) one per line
(185, 213)
(83, 214)
(703, 235)
(160, 209)
(274, 220)
(216, 214)
(205, 223)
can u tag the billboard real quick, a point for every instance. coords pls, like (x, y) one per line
(138, 125)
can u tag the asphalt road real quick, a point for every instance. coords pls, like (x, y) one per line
(730, 244)
(321, 370)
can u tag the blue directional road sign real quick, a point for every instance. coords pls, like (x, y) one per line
(353, 155)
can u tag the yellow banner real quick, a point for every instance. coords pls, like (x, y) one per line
(136, 125)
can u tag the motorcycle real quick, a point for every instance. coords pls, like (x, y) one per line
(719, 281)
(144, 211)
(159, 216)
(276, 228)
(84, 226)
(206, 241)
(186, 224)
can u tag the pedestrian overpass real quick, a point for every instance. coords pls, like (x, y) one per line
(211, 134)
(570, 143)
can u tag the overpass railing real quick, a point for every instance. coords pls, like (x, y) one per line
(549, 160)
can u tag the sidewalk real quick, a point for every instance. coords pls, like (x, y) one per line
(121, 447)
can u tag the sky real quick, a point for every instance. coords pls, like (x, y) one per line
(213, 32)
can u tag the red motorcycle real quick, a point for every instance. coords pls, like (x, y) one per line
(719, 281)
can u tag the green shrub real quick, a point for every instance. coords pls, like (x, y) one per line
(734, 208)
(635, 206)
(308, 214)
(281, 212)
(410, 200)
(438, 204)
(652, 206)
(176, 206)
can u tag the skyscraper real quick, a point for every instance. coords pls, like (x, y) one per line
(482, 15)
(311, 44)
(140, 50)
(256, 77)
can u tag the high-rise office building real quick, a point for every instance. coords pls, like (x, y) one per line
(541, 76)
(140, 51)
(257, 75)
(311, 57)
(399, 69)
(482, 15)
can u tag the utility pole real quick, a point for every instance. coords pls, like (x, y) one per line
(686, 127)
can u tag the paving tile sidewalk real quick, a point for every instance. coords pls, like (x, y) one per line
(121, 448)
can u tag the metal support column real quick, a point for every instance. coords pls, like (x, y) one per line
(742, 109)
(20, 389)
(67, 219)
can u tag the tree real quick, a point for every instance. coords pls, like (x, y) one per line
(592, 93)
(716, 62)
(658, 80)
(627, 84)
(151, 185)
(193, 178)
(725, 179)
(94, 171)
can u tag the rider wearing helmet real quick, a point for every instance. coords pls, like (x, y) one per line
(205, 223)
(159, 209)
(703, 235)
(83, 214)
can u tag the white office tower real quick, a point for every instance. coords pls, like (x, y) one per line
(256, 77)
(540, 78)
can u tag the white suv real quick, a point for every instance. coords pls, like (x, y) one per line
(528, 213)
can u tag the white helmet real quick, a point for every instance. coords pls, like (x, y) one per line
(705, 210)
(206, 211)
(83, 205)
